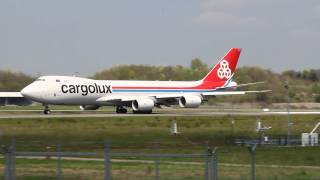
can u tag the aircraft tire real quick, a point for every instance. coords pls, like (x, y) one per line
(121, 110)
(47, 111)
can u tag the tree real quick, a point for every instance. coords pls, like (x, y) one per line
(198, 68)
(13, 81)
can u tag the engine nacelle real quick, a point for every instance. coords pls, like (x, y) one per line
(89, 107)
(190, 101)
(143, 104)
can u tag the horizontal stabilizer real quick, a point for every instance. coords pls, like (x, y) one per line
(222, 93)
(249, 84)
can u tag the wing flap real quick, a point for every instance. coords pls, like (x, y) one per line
(116, 98)
(166, 96)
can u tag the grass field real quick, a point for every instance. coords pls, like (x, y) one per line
(45, 169)
(139, 134)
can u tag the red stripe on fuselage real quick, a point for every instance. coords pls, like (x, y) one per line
(203, 86)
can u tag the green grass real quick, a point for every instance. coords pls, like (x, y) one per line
(139, 134)
(46, 169)
(136, 134)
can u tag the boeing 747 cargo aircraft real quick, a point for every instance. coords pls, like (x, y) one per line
(141, 96)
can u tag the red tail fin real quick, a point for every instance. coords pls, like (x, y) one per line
(225, 68)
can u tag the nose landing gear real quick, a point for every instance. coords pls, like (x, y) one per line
(46, 110)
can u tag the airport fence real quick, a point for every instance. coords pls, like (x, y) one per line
(109, 165)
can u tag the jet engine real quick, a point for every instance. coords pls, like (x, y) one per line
(190, 101)
(143, 105)
(89, 107)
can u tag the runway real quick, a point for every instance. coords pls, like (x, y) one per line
(69, 114)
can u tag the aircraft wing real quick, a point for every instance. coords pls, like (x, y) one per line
(10, 94)
(126, 98)
(13, 98)
(214, 93)
(122, 98)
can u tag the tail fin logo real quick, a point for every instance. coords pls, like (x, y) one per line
(224, 71)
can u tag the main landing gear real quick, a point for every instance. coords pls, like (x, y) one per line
(46, 110)
(121, 110)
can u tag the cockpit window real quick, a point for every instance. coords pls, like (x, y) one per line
(39, 79)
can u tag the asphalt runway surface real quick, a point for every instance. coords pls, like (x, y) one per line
(69, 114)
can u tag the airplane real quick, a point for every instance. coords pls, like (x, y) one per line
(141, 96)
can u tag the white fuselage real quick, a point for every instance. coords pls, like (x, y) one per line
(82, 91)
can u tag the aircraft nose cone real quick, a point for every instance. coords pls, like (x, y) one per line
(30, 92)
(26, 91)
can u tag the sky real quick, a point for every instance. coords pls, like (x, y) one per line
(67, 37)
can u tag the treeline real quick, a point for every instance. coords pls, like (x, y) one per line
(312, 74)
(304, 86)
(13, 81)
(196, 71)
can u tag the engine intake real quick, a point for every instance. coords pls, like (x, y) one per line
(190, 101)
(89, 107)
(143, 105)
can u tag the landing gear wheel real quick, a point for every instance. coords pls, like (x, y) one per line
(46, 110)
(121, 110)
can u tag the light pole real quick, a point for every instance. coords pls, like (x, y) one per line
(286, 86)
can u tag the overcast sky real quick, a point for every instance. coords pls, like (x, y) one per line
(85, 36)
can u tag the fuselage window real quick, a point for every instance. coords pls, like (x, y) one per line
(57, 80)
